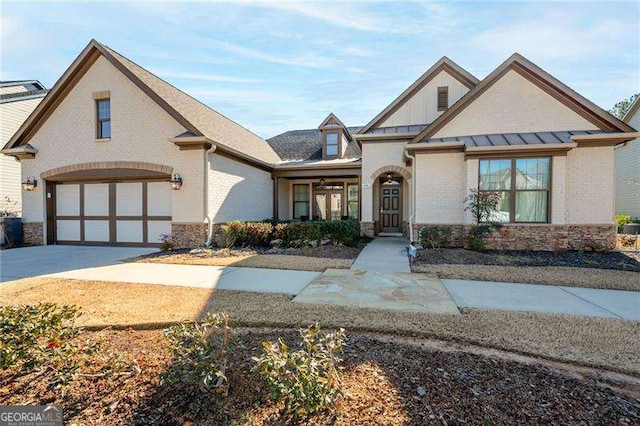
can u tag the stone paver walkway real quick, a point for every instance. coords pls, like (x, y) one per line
(398, 291)
(384, 254)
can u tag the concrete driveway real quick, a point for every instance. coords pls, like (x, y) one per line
(41, 260)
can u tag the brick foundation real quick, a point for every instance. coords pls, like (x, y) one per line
(189, 235)
(33, 233)
(539, 237)
(368, 229)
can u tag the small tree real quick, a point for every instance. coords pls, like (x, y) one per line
(621, 108)
(482, 205)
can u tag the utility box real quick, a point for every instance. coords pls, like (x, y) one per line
(11, 231)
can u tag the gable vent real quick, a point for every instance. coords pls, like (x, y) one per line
(443, 98)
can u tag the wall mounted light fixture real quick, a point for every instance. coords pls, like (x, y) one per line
(30, 184)
(176, 182)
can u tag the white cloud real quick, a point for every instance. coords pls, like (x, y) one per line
(204, 76)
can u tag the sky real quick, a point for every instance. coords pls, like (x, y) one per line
(274, 67)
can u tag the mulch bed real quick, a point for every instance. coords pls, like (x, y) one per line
(326, 252)
(384, 383)
(622, 261)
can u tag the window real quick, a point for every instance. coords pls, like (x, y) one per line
(352, 198)
(300, 201)
(103, 108)
(331, 144)
(524, 187)
(443, 98)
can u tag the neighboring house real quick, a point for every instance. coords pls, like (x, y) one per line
(110, 135)
(17, 100)
(628, 168)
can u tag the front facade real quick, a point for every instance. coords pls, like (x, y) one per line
(110, 136)
(627, 157)
(17, 100)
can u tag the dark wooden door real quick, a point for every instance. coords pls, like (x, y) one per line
(390, 208)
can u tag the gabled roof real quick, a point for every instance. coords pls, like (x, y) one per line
(632, 110)
(21, 96)
(35, 83)
(540, 78)
(444, 64)
(197, 118)
(306, 145)
(332, 121)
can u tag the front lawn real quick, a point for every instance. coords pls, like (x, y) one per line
(614, 270)
(384, 382)
(610, 343)
(301, 259)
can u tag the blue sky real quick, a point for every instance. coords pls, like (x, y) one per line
(279, 66)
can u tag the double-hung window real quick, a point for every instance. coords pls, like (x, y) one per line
(523, 184)
(300, 201)
(331, 144)
(103, 124)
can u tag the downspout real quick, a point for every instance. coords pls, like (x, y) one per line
(208, 218)
(412, 199)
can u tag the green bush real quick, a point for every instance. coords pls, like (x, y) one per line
(621, 220)
(306, 381)
(255, 234)
(477, 233)
(45, 337)
(200, 353)
(167, 242)
(434, 236)
(346, 232)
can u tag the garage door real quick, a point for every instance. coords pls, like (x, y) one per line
(114, 213)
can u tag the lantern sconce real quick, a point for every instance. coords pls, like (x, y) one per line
(30, 184)
(176, 182)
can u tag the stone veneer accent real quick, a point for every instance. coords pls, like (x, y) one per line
(32, 233)
(189, 235)
(539, 237)
(367, 229)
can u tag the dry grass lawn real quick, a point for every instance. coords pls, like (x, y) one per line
(610, 343)
(551, 275)
(271, 261)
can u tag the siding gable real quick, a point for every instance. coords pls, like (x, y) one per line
(514, 104)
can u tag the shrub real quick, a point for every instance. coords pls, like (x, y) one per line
(434, 236)
(256, 234)
(345, 232)
(200, 353)
(306, 381)
(224, 240)
(167, 242)
(622, 220)
(475, 240)
(42, 336)
(297, 231)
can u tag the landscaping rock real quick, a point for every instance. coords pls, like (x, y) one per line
(275, 243)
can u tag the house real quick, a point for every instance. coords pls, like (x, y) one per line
(121, 157)
(17, 100)
(628, 168)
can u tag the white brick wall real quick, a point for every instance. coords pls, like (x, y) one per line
(374, 156)
(238, 191)
(422, 108)
(441, 186)
(514, 104)
(590, 186)
(140, 132)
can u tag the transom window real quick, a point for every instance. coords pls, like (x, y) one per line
(331, 144)
(523, 184)
(103, 108)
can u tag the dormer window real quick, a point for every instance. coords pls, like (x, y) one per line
(443, 98)
(331, 144)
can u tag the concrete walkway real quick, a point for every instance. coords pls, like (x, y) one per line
(545, 298)
(384, 254)
(214, 277)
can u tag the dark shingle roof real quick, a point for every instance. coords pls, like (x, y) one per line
(503, 139)
(10, 97)
(307, 145)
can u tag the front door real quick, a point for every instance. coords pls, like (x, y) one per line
(390, 207)
(328, 205)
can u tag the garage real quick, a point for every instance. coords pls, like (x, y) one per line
(133, 213)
